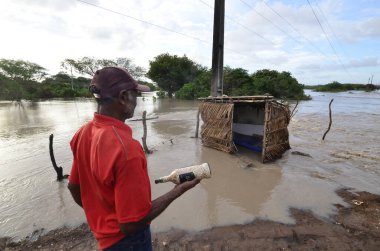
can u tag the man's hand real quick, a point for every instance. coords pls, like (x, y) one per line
(183, 187)
(158, 206)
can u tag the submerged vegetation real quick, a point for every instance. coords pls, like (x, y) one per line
(56, 86)
(338, 87)
(238, 82)
(172, 75)
(25, 80)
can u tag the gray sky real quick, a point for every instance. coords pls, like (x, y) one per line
(280, 35)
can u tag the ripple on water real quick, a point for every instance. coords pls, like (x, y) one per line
(31, 199)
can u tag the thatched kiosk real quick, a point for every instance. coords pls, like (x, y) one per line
(255, 122)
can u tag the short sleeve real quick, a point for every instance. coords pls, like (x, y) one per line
(132, 191)
(74, 174)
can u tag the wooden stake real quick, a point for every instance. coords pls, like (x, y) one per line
(294, 110)
(58, 169)
(328, 129)
(145, 133)
(197, 127)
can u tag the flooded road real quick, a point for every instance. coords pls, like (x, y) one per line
(31, 199)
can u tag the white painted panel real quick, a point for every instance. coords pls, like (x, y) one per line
(248, 129)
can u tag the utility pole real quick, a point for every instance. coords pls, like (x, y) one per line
(217, 50)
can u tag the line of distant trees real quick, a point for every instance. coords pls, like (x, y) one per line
(173, 75)
(21, 79)
(25, 80)
(335, 86)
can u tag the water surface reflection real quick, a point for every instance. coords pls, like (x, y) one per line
(31, 199)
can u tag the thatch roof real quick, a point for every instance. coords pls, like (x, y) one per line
(234, 99)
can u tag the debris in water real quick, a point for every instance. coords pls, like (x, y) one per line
(301, 153)
(357, 202)
(249, 165)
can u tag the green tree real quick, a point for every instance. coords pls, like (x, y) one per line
(334, 86)
(278, 84)
(187, 91)
(89, 65)
(86, 65)
(21, 70)
(171, 72)
(202, 84)
(136, 71)
(10, 89)
(234, 80)
(151, 86)
(200, 87)
(63, 78)
(60, 85)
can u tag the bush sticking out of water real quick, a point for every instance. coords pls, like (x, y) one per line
(338, 87)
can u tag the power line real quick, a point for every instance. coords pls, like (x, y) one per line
(245, 27)
(143, 21)
(155, 25)
(298, 32)
(332, 47)
(323, 15)
(320, 51)
(339, 61)
(270, 21)
(328, 24)
(230, 18)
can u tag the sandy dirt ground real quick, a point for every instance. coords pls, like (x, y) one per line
(356, 227)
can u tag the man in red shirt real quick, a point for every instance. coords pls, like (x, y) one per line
(109, 176)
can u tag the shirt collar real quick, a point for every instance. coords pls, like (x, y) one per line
(107, 120)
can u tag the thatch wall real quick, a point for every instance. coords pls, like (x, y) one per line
(276, 135)
(216, 131)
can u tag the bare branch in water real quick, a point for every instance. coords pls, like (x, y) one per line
(328, 129)
(294, 110)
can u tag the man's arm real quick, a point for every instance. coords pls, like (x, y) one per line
(158, 206)
(75, 193)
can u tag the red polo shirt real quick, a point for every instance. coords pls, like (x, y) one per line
(111, 169)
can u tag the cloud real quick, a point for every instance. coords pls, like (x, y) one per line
(356, 31)
(49, 31)
(55, 5)
(365, 62)
(353, 64)
(370, 28)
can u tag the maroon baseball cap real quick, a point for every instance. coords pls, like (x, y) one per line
(109, 81)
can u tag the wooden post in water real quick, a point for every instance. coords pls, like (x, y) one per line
(58, 169)
(146, 149)
(197, 127)
(328, 129)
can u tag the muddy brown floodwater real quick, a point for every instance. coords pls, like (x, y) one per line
(242, 199)
(356, 227)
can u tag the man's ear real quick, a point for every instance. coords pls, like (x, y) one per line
(123, 97)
